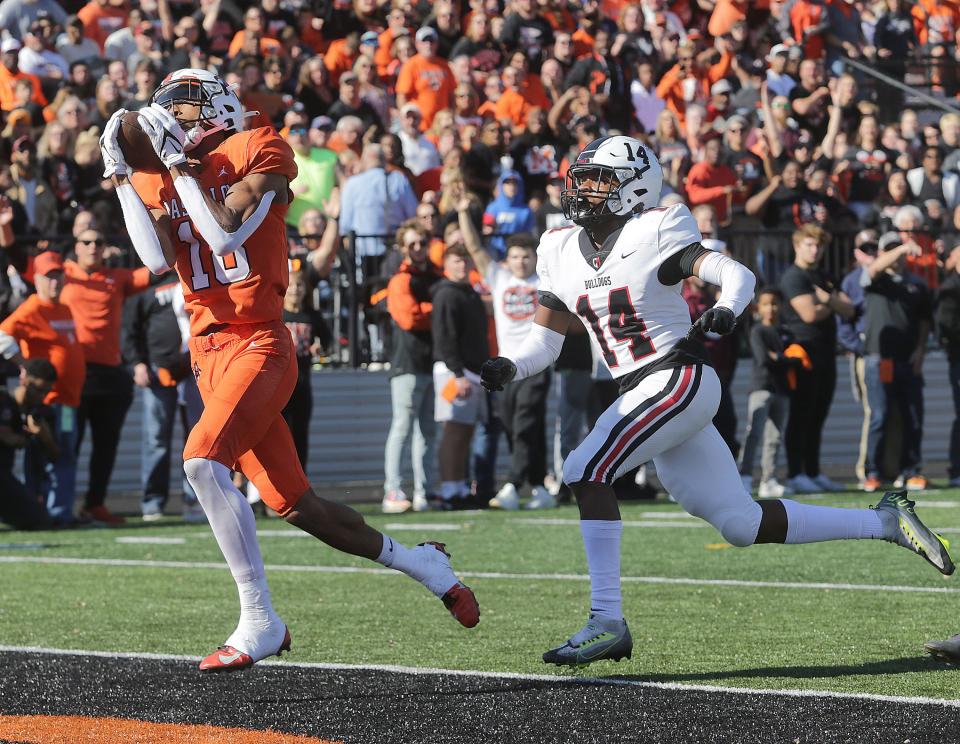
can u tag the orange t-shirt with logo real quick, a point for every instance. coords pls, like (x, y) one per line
(248, 285)
(46, 330)
(96, 301)
(99, 21)
(428, 84)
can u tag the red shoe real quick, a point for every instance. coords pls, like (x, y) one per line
(228, 659)
(462, 604)
(101, 514)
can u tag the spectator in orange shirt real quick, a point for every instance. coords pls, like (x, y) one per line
(43, 328)
(808, 19)
(688, 82)
(95, 295)
(725, 14)
(396, 27)
(426, 79)
(711, 182)
(411, 383)
(102, 17)
(341, 55)
(253, 28)
(10, 73)
(511, 106)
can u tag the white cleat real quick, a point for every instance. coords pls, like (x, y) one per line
(773, 489)
(507, 498)
(541, 498)
(395, 502)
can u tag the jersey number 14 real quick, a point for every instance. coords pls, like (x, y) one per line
(624, 325)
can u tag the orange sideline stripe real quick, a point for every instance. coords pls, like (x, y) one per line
(83, 730)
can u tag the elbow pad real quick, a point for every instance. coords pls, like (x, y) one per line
(735, 280)
(220, 241)
(538, 351)
(141, 230)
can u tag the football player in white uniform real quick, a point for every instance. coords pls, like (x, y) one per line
(619, 271)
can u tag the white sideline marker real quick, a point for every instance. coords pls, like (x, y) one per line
(663, 580)
(557, 679)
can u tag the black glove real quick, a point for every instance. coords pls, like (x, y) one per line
(497, 372)
(717, 320)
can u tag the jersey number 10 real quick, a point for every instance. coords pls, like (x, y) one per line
(228, 269)
(624, 325)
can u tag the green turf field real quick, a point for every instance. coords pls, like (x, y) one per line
(804, 637)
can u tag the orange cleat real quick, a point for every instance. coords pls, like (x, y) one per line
(229, 659)
(100, 514)
(871, 484)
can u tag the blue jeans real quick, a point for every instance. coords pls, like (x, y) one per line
(905, 391)
(57, 479)
(483, 451)
(412, 398)
(160, 407)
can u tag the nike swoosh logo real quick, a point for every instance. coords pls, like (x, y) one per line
(229, 659)
(625, 255)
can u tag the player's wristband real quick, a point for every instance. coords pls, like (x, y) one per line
(539, 350)
(220, 241)
(140, 227)
(735, 280)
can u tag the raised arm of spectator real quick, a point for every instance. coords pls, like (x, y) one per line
(758, 202)
(559, 109)
(770, 127)
(7, 237)
(322, 257)
(833, 127)
(802, 105)
(722, 68)
(471, 237)
(166, 20)
(210, 16)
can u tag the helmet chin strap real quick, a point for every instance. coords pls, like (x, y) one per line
(197, 134)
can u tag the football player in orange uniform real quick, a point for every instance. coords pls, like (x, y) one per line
(217, 213)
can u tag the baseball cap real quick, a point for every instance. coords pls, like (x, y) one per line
(737, 119)
(889, 240)
(47, 262)
(348, 75)
(322, 122)
(10, 45)
(23, 143)
(408, 107)
(371, 38)
(721, 86)
(757, 68)
(427, 33)
(777, 49)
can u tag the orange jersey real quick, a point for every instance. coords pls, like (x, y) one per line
(96, 301)
(46, 331)
(248, 285)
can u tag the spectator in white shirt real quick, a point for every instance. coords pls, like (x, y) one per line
(778, 82)
(74, 46)
(646, 104)
(419, 153)
(522, 404)
(38, 57)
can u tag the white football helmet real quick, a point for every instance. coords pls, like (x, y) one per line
(220, 111)
(625, 179)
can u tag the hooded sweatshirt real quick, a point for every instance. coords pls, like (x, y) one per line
(510, 215)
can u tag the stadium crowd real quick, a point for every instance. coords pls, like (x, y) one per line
(432, 141)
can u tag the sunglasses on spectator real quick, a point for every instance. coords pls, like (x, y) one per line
(412, 243)
(781, 105)
(299, 130)
(98, 241)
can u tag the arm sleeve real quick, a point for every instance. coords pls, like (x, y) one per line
(220, 241)
(539, 350)
(445, 345)
(679, 265)
(141, 229)
(735, 280)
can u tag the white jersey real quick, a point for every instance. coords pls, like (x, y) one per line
(514, 305)
(633, 320)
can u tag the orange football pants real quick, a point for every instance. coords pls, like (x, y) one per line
(246, 375)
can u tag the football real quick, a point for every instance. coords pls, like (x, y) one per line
(136, 147)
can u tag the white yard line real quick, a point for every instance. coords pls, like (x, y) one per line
(493, 575)
(554, 679)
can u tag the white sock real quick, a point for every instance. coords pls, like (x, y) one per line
(601, 540)
(807, 523)
(429, 568)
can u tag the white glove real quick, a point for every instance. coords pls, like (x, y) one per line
(113, 162)
(165, 133)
